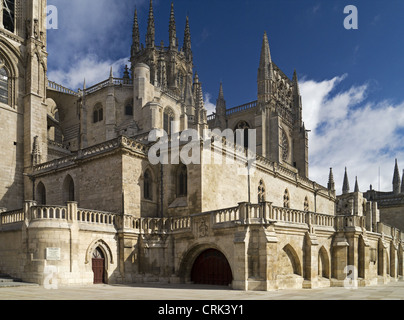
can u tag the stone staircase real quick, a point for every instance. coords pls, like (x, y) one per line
(6, 281)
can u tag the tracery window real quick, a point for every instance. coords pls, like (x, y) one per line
(4, 83)
(182, 182)
(168, 120)
(242, 125)
(98, 113)
(147, 186)
(285, 146)
(9, 14)
(129, 110)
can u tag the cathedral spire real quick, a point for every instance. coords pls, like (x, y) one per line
(187, 41)
(221, 102)
(135, 35)
(345, 186)
(265, 72)
(331, 183)
(172, 29)
(396, 180)
(356, 185)
(150, 36)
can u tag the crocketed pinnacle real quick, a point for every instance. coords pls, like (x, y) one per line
(172, 29)
(265, 60)
(187, 41)
(135, 35)
(150, 35)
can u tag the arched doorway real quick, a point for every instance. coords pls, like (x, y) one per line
(98, 263)
(211, 267)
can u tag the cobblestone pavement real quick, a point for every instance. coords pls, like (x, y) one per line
(391, 291)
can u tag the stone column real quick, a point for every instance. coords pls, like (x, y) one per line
(240, 269)
(311, 257)
(340, 258)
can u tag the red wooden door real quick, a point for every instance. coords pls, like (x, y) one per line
(211, 267)
(98, 267)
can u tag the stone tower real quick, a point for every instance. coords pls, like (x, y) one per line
(23, 110)
(282, 131)
(170, 67)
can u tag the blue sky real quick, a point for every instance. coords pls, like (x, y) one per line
(351, 80)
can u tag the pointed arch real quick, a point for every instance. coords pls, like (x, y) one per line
(40, 194)
(182, 181)
(323, 263)
(69, 189)
(168, 119)
(148, 185)
(294, 259)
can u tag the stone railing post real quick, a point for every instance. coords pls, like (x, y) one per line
(27, 210)
(243, 212)
(71, 214)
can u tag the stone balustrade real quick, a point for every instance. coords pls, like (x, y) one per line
(244, 214)
(11, 217)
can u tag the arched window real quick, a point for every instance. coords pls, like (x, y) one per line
(9, 14)
(286, 199)
(147, 186)
(242, 125)
(182, 182)
(128, 109)
(68, 189)
(261, 192)
(41, 194)
(168, 119)
(4, 92)
(98, 113)
(285, 146)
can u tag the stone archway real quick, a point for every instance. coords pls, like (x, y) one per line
(211, 267)
(98, 266)
(209, 260)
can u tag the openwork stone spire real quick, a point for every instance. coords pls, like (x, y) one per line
(187, 41)
(265, 72)
(150, 36)
(221, 102)
(135, 35)
(172, 29)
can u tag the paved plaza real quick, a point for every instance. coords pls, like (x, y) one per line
(391, 291)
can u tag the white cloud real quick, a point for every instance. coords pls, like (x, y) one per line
(349, 131)
(209, 106)
(89, 67)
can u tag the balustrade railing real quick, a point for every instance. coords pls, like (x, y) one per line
(243, 214)
(243, 107)
(12, 217)
(59, 88)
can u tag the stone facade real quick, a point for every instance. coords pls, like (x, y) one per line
(78, 185)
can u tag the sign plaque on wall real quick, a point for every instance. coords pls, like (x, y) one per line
(53, 254)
